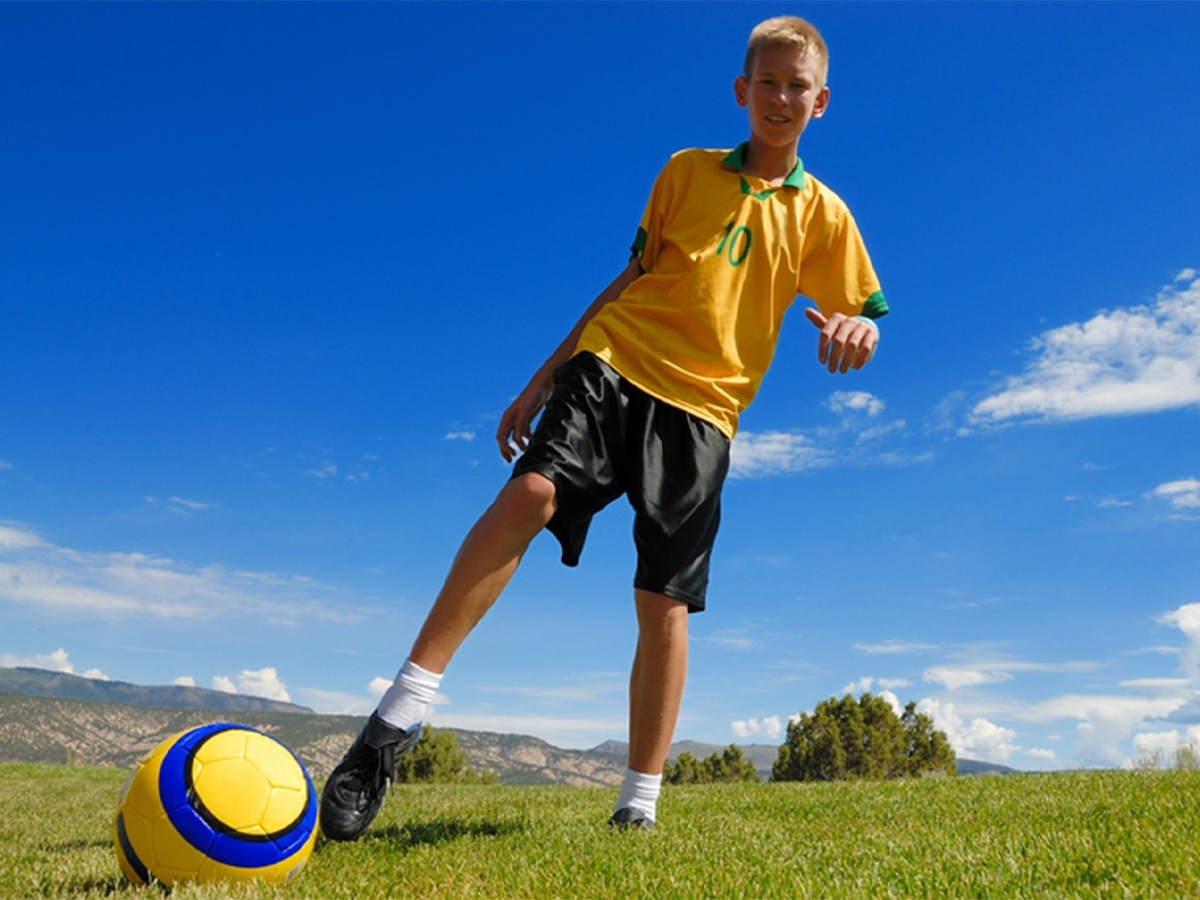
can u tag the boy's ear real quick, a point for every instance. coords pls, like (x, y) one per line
(822, 103)
(741, 89)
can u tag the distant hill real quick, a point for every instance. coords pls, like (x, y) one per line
(51, 717)
(978, 767)
(38, 727)
(61, 686)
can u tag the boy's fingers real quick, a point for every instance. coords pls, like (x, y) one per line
(845, 344)
(819, 321)
(508, 432)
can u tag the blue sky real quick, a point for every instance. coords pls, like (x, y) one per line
(269, 273)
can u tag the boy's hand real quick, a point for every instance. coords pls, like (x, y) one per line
(516, 424)
(845, 343)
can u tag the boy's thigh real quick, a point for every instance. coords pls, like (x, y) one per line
(676, 495)
(572, 446)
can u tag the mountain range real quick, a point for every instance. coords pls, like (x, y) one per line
(57, 718)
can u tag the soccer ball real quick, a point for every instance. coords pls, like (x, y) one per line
(216, 803)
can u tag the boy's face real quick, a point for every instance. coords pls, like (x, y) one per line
(784, 91)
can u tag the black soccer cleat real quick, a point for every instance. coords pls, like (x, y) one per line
(627, 817)
(356, 789)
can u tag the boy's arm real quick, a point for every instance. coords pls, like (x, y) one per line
(845, 343)
(516, 424)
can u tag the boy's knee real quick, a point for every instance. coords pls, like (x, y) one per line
(531, 496)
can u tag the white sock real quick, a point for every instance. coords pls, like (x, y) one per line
(639, 792)
(405, 703)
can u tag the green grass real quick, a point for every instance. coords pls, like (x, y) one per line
(1096, 834)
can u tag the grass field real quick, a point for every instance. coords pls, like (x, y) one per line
(1086, 834)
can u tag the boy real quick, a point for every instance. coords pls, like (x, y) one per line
(642, 398)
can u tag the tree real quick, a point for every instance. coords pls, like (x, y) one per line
(927, 749)
(864, 738)
(437, 758)
(730, 765)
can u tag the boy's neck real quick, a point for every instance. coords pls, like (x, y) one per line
(772, 164)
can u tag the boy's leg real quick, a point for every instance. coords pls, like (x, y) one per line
(655, 695)
(485, 563)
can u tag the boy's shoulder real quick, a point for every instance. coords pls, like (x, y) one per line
(699, 156)
(691, 163)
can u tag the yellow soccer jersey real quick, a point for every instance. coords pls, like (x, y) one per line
(724, 256)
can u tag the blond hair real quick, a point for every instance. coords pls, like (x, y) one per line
(787, 31)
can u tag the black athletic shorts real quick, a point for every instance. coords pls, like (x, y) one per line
(601, 437)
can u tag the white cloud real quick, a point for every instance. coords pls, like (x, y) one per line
(182, 504)
(378, 686)
(56, 661)
(732, 639)
(774, 453)
(1042, 754)
(323, 470)
(263, 683)
(995, 672)
(978, 739)
(858, 687)
(1103, 722)
(196, 505)
(184, 681)
(465, 434)
(893, 646)
(843, 402)
(1160, 744)
(769, 728)
(1187, 619)
(893, 701)
(36, 573)
(224, 685)
(1131, 360)
(1157, 685)
(855, 439)
(955, 677)
(1182, 495)
(17, 537)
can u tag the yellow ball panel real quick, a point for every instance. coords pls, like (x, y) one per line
(234, 791)
(290, 796)
(274, 760)
(228, 744)
(286, 806)
(171, 857)
(140, 793)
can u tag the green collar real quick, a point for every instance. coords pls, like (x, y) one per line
(733, 160)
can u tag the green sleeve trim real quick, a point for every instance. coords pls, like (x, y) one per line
(639, 244)
(876, 306)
